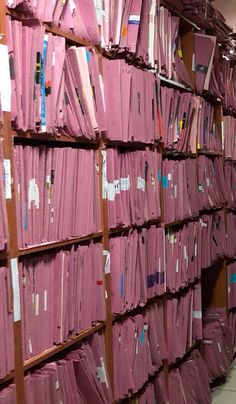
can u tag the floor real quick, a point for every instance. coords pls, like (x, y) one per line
(226, 393)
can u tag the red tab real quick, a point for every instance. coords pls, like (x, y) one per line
(99, 283)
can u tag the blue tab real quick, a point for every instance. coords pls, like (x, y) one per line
(165, 181)
(232, 278)
(121, 284)
(88, 57)
(43, 101)
(160, 278)
(134, 22)
(159, 175)
(151, 280)
(142, 337)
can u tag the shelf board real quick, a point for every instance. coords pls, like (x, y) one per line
(58, 244)
(47, 137)
(181, 222)
(8, 377)
(195, 26)
(120, 230)
(49, 353)
(129, 145)
(143, 387)
(165, 80)
(209, 153)
(179, 361)
(210, 210)
(176, 154)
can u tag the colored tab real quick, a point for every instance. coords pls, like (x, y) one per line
(180, 53)
(124, 31)
(151, 279)
(159, 175)
(99, 283)
(165, 181)
(88, 57)
(142, 337)
(232, 278)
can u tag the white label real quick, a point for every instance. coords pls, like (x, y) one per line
(7, 175)
(145, 327)
(207, 341)
(33, 193)
(45, 295)
(208, 181)
(101, 372)
(219, 347)
(5, 79)
(53, 58)
(141, 183)
(195, 249)
(185, 253)
(175, 191)
(37, 304)
(30, 346)
(57, 384)
(72, 6)
(111, 192)
(117, 186)
(197, 314)
(104, 174)
(52, 216)
(106, 294)
(125, 184)
(102, 91)
(169, 177)
(98, 8)
(177, 265)
(134, 18)
(107, 268)
(16, 289)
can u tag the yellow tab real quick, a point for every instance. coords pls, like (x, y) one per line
(181, 124)
(198, 146)
(124, 31)
(180, 53)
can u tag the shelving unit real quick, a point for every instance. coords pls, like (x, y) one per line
(213, 280)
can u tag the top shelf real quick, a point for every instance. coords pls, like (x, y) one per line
(192, 24)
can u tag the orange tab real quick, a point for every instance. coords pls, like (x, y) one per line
(124, 31)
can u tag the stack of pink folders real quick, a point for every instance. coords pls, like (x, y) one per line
(79, 378)
(8, 395)
(213, 238)
(133, 187)
(6, 315)
(78, 16)
(207, 136)
(155, 392)
(50, 183)
(229, 127)
(217, 349)
(189, 383)
(232, 324)
(211, 183)
(138, 339)
(137, 268)
(228, 78)
(132, 102)
(53, 90)
(183, 255)
(231, 268)
(230, 184)
(204, 50)
(184, 322)
(179, 183)
(62, 294)
(230, 234)
(180, 118)
(4, 193)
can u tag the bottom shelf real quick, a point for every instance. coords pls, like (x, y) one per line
(43, 356)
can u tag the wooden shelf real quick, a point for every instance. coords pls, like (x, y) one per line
(142, 389)
(211, 210)
(175, 12)
(32, 137)
(180, 361)
(176, 154)
(120, 230)
(209, 153)
(49, 353)
(129, 145)
(58, 244)
(182, 222)
(164, 80)
(8, 378)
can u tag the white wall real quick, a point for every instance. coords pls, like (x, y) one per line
(228, 9)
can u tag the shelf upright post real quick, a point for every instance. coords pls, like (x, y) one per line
(13, 251)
